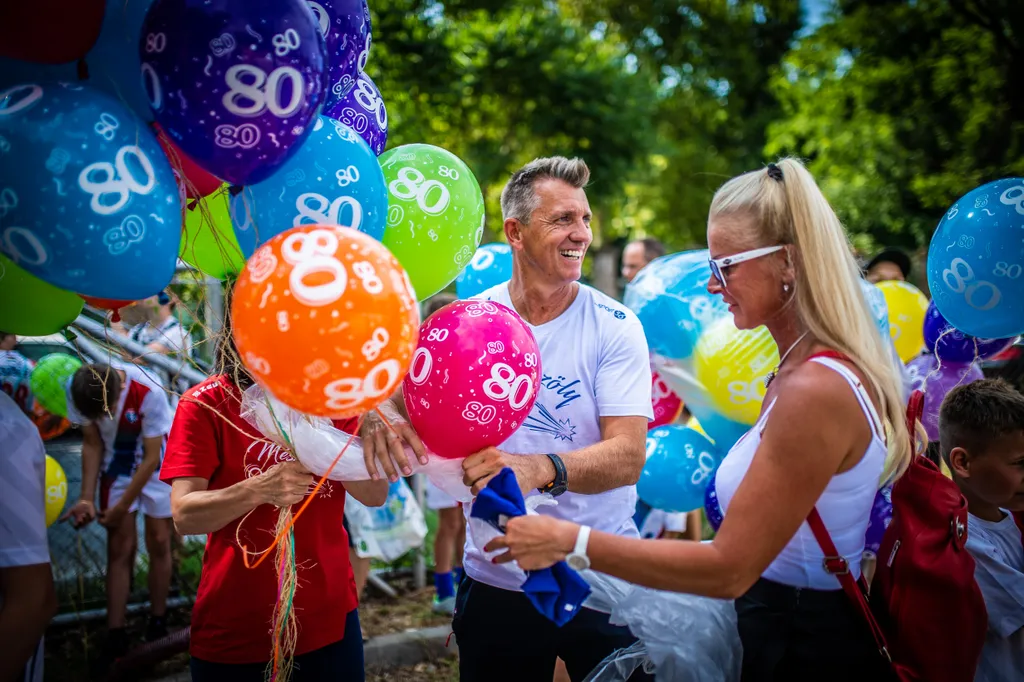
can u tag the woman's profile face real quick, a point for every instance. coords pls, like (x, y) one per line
(753, 289)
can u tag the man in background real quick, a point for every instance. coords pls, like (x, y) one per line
(639, 253)
(890, 264)
(161, 332)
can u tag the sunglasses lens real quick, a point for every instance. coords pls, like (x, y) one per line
(717, 272)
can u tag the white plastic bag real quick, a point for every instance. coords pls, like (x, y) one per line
(316, 443)
(687, 638)
(389, 531)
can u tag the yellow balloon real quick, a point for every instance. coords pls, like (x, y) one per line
(907, 307)
(732, 365)
(56, 490)
(695, 425)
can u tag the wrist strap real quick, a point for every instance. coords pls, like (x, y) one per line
(561, 476)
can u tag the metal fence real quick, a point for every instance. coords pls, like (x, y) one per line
(79, 557)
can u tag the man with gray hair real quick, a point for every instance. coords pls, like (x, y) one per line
(583, 443)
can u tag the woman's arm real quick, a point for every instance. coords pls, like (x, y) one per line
(814, 427)
(197, 510)
(370, 493)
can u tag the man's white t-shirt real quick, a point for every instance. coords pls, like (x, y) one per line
(142, 412)
(594, 363)
(22, 502)
(999, 570)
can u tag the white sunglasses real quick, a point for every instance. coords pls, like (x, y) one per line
(718, 265)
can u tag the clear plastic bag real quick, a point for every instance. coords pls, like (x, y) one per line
(316, 443)
(683, 638)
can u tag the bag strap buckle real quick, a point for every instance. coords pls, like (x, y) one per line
(836, 565)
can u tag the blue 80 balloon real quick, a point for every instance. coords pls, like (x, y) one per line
(680, 464)
(345, 25)
(235, 83)
(976, 261)
(491, 265)
(88, 200)
(333, 179)
(670, 297)
(876, 304)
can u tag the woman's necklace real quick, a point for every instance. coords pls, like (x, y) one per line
(771, 374)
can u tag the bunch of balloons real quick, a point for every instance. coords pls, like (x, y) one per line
(192, 128)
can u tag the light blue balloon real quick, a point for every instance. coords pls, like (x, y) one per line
(877, 305)
(680, 463)
(491, 265)
(671, 299)
(114, 63)
(976, 261)
(88, 201)
(333, 179)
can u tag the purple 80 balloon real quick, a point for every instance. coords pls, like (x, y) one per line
(235, 83)
(952, 344)
(345, 25)
(362, 109)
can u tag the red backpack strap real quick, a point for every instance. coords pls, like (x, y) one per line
(836, 564)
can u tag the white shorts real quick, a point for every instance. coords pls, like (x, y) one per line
(154, 500)
(659, 522)
(437, 498)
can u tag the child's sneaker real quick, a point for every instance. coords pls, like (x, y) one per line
(445, 606)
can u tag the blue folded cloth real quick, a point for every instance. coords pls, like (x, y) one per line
(556, 592)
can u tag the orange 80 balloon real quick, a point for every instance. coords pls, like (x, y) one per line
(326, 320)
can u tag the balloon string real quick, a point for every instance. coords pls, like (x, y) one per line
(291, 522)
(938, 360)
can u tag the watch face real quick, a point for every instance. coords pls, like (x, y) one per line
(578, 562)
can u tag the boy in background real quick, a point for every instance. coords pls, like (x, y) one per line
(981, 436)
(125, 419)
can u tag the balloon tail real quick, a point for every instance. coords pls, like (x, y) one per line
(285, 625)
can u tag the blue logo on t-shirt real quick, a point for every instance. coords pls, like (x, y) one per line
(545, 422)
(619, 315)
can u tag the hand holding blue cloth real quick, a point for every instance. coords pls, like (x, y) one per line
(556, 592)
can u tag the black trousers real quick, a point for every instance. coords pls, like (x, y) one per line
(502, 638)
(793, 634)
(338, 662)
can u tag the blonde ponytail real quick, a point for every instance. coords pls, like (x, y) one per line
(828, 295)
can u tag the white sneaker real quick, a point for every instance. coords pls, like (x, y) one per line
(446, 605)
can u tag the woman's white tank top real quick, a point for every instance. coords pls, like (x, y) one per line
(844, 506)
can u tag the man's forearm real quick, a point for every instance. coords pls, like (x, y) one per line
(610, 464)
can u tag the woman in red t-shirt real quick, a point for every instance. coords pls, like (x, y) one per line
(221, 469)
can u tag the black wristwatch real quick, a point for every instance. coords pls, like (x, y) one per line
(560, 484)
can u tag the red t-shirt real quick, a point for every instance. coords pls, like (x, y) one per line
(231, 619)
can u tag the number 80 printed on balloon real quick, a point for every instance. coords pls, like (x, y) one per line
(326, 320)
(88, 200)
(474, 378)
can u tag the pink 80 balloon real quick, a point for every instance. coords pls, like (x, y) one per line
(474, 378)
(667, 405)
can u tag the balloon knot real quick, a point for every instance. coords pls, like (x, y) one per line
(83, 70)
(235, 190)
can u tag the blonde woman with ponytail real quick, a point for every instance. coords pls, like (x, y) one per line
(831, 428)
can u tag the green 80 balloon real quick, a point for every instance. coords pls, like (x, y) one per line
(435, 214)
(49, 381)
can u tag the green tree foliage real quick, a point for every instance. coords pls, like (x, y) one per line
(499, 83)
(904, 105)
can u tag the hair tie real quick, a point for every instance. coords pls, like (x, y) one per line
(774, 172)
